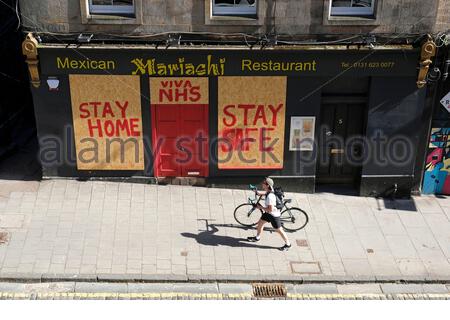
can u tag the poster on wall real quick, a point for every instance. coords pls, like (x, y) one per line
(445, 101)
(301, 137)
(107, 122)
(251, 122)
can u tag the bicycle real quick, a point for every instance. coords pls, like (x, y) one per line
(292, 218)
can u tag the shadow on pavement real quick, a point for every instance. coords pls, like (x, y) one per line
(343, 190)
(389, 200)
(399, 204)
(19, 161)
(210, 238)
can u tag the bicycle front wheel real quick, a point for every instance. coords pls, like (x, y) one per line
(247, 215)
(293, 219)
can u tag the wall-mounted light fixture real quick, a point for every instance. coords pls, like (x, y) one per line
(428, 51)
(173, 40)
(29, 49)
(84, 38)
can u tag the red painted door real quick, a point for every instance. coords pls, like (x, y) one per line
(166, 126)
(194, 128)
(181, 132)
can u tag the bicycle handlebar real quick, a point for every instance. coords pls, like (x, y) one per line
(253, 201)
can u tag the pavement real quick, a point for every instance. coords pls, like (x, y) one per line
(219, 291)
(94, 231)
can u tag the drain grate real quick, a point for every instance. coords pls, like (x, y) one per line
(3, 237)
(269, 290)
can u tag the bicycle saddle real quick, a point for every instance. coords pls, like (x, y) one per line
(287, 200)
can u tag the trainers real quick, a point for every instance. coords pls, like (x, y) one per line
(285, 247)
(253, 239)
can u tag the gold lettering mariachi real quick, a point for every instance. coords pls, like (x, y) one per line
(153, 67)
(86, 64)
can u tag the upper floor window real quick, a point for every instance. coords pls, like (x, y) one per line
(243, 8)
(114, 7)
(362, 8)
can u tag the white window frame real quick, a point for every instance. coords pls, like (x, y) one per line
(111, 9)
(235, 10)
(352, 11)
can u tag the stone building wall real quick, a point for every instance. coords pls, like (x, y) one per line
(285, 17)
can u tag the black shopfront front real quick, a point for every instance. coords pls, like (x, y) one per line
(229, 116)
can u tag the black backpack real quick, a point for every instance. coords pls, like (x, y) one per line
(279, 195)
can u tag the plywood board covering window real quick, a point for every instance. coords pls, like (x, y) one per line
(107, 122)
(251, 122)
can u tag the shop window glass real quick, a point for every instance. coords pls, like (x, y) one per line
(118, 7)
(244, 8)
(361, 8)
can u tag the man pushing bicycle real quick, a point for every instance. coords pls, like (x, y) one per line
(270, 214)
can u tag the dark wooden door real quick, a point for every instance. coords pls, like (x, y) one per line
(341, 142)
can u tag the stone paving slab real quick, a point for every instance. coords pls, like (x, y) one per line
(101, 287)
(401, 288)
(228, 288)
(37, 287)
(316, 288)
(9, 186)
(434, 288)
(12, 287)
(108, 231)
(359, 288)
(196, 287)
(150, 287)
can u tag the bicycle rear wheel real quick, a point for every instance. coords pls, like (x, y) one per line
(293, 219)
(247, 215)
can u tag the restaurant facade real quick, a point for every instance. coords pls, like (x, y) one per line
(306, 116)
